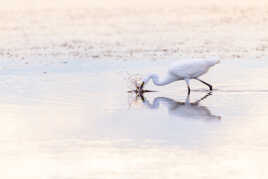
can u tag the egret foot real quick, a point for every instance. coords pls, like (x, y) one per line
(189, 90)
(188, 86)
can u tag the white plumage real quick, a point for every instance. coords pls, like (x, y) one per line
(184, 70)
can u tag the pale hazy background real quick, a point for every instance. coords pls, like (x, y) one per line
(133, 29)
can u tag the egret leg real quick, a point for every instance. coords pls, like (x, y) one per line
(209, 85)
(188, 85)
(187, 100)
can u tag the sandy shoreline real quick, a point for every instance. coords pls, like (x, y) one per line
(129, 31)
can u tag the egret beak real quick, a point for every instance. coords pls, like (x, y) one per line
(140, 88)
(142, 84)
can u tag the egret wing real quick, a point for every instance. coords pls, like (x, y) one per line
(188, 68)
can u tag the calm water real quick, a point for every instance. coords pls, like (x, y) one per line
(76, 120)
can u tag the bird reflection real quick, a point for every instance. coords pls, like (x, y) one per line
(185, 110)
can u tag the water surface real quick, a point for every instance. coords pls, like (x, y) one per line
(76, 120)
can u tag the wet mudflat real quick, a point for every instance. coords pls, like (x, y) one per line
(76, 120)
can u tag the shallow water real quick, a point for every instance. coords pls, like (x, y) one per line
(76, 120)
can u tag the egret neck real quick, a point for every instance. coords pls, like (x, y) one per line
(155, 78)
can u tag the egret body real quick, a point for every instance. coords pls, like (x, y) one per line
(184, 70)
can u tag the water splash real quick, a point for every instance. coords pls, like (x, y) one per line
(134, 81)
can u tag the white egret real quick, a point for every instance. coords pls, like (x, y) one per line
(183, 70)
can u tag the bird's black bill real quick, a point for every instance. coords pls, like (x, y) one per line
(141, 92)
(142, 84)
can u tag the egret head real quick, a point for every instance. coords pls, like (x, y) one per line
(144, 81)
(140, 85)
